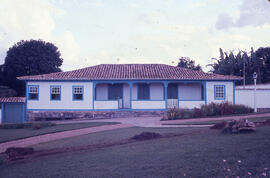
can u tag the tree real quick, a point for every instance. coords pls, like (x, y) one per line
(263, 55)
(231, 64)
(31, 57)
(188, 63)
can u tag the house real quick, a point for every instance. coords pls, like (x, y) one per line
(125, 87)
(12, 109)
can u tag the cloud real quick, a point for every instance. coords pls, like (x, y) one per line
(251, 13)
(70, 50)
(34, 19)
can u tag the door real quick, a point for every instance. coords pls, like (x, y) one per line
(172, 95)
(116, 93)
(13, 113)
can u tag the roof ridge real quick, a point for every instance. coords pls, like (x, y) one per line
(131, 72)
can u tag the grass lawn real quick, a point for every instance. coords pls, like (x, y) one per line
(13, 134)
(209, 154)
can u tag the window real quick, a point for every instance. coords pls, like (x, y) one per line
(77, 92)
(32, 92)
(219, 92)
(55, 92)
(143, 91)
(115, 91)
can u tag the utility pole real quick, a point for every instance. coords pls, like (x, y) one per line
(244, 70)
(255, 89)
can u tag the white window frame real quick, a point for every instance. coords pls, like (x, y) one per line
(33, 89)
(77, 90)
(55, 89)
(220, 92)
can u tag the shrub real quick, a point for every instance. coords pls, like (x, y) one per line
(36, 126)
(226, 108)
(241, 109)
(196, 112)
(209, 110)
(179, 113)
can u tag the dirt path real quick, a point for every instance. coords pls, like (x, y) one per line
(59, 135)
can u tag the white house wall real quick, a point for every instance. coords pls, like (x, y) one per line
(66, 102)
(102, 92)
(211, 91)
(246, 97)
(135, 91)
(156, 91)
(190, 104)
(192, 91)
(126, 95)
(111, 104)
(148, 104)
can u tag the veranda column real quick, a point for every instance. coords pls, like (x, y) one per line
(205, 92)
(130, 94)
(166, 94)
(94, 95)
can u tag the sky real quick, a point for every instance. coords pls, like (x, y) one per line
(91, 32)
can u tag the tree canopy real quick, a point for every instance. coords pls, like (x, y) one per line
(233, 64)
(188, 63)
(31, 57)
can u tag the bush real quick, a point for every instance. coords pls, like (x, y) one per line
(209, 110)
(241, 109)
(36, 126)
(179, 113)
(196, 112)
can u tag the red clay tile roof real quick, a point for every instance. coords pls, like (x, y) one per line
(131, 72)
(12, 99)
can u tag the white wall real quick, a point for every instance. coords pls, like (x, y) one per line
(190, 104)
(191, 91)
(156, 91)
(148, 104)
(246, 97)
(112, 104)
(135, 91)
(126, 96)
(0, 116)
(102, 92)
(211, 91)
(66, 101)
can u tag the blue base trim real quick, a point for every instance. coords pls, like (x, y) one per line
(60, 110)
(96, 109)
(189, 100)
